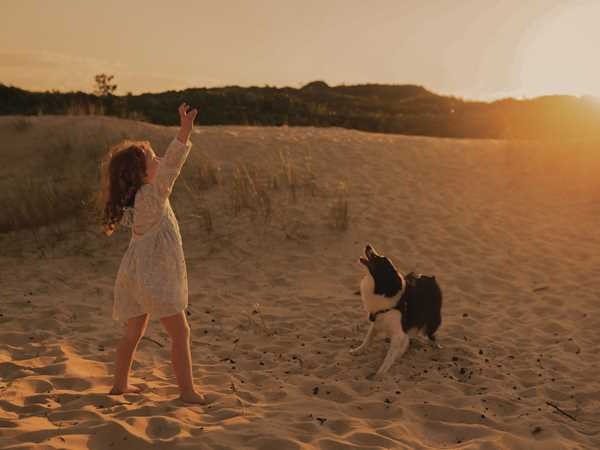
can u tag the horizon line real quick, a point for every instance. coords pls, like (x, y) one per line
(487, 98)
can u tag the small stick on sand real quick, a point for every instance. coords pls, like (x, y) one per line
(152, 340)
(561, 411)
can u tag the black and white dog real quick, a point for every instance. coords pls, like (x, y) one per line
(396, 305)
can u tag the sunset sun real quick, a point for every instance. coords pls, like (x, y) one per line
(559, 53)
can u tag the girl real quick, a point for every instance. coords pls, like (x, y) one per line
(152, 277)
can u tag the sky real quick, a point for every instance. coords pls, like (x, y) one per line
(475, 49)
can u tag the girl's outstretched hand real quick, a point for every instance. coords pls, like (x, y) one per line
(187, 118)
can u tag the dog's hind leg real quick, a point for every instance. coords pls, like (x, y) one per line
(398, 346)
(368, 338)
(431, 327)
(433, 342)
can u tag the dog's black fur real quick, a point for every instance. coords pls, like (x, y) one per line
(421, 303)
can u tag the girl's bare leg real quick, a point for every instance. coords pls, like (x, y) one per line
(181, 356)
(134, 331)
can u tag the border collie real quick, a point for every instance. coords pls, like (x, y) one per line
(397, 305)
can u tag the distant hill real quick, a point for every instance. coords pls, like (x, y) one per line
(404, 109)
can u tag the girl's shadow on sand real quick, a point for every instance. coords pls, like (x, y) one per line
(110, 420)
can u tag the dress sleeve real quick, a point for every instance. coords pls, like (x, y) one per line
(169, 168)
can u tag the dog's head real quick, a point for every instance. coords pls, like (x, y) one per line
(386, 280)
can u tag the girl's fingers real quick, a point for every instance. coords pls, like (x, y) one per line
(186, 113)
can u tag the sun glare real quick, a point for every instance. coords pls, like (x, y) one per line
(558, 54)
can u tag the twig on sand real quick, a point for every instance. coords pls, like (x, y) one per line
(262, 325)
(561, 411)
(152, 340)
(235, 392)
(541, 288)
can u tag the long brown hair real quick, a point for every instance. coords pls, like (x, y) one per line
(123, 173)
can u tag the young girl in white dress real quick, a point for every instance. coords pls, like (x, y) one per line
(152, 277)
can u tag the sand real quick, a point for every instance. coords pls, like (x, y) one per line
(508, 228)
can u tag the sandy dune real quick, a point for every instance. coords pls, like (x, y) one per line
(509, 229)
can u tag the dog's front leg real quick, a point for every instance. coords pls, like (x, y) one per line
(398, 345)
(368, 338)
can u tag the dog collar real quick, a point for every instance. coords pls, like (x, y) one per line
(373, 316)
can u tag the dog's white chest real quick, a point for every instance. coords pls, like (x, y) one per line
(389, 322)
(372, 302)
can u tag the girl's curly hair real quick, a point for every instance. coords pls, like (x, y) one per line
(123, 173)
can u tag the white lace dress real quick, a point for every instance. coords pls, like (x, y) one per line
(152, 277)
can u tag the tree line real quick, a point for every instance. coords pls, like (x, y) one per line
(404, 109)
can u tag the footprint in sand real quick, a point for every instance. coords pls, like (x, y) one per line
(162, 428)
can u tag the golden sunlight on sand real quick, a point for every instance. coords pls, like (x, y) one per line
(510, 229)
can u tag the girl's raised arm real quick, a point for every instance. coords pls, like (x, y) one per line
(176, 154)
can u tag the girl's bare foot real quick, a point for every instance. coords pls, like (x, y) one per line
(128, 390)
(193, 397)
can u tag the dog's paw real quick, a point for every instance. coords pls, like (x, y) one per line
(435, 345)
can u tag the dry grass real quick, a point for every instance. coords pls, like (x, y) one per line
(248, 191)
(264, 192)
(57, 192)
(22, 124)
(289, 174)
(293, 176)
(201, 210)
(62, 184)
(44, 201)
(98, 109)
(207, 175)
(85, 109)
(340, 209)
